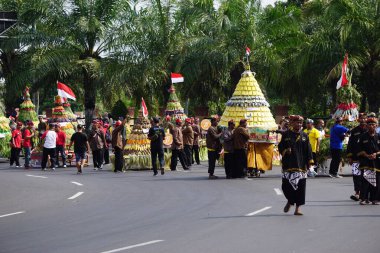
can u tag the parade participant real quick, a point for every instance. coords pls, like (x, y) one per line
(28, 134)
(240, 139)
(107, 134)
(41, 126)
(156, 136)
(296, 159)
(314, 139)
(60, 148)
(369, 163)
(16, 145)
(177, 146)
(352, 151)
(97, 143)
(197, 135)
(50, 143)
(117, 144)
(283, 126)
(81, 146)
(213, 146)
(188, 141)
(337, 135)
(321, 128)
(228, 146)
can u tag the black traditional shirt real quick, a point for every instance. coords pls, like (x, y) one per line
(369, 144)
(352, 146)
(300, 156)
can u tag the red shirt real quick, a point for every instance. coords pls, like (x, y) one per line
(27, 142)
(16, 138)
(61, 138)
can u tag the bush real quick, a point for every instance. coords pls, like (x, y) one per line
(119, 110)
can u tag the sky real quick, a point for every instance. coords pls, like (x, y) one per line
(266, 2)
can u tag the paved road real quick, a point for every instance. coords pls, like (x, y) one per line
(179, 212)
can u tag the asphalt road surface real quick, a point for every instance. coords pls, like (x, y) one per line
(103, 212)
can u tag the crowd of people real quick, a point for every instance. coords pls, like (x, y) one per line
(299, 147)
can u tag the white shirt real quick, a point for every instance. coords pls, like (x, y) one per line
(50, 140)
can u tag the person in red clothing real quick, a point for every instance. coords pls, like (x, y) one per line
(27, 135)
(60, 148)
(16, 145)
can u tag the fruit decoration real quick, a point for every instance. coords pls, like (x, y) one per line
(248, 102)
(27, 108)
(174, 109)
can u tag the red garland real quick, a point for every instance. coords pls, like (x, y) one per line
(346, 107)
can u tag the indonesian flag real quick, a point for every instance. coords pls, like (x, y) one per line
(177, 78)
(247, 50)
(144, 108)
(343, 81)
(64, 91)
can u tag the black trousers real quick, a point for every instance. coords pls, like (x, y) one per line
(357, 183)
(45, 153)
(97, 157)
(60, 150)
(106, 155)
(294, 196)
(178, 153)
(15, 156)
(368, 191)
(118, 159)
(229, 162)
(336, 156)
(157, 152)
(212, 157)
(188, 154)
(241, 163)
(195, 155)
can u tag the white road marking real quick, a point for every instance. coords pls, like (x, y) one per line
(10, 214)
(258, 211)
(35, 176)
(76, 195)
(133, 246)
(278, 191)
(248, 179)
(76, 183)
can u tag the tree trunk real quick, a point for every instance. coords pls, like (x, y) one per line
(89, 99)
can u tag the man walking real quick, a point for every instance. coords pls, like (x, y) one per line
(117, 145)
(27, 143)
(353, 159)
(228, 146)
(369, 159)
(108, 136)
(213, 146)
(296, 159)
(156, 136)
(197, 136)
(50, 143)
(60, 149)
(314, 138)
(240, 139)
(16, 145)
(97, 143)
(337, 135)
(188, 141)
(177, 146)
(81, 147)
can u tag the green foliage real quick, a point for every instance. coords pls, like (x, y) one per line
(119, 109)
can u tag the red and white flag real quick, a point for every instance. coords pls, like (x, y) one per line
(177, 78)
(144, 108)
(343, 81)
(247, 50)
(64, 91)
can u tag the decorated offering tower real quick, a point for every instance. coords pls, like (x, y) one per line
(69, 112)
(27, 108)
(137, 148)
(59, 116)
(174, 109)
(248, 102)
(5, 135)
